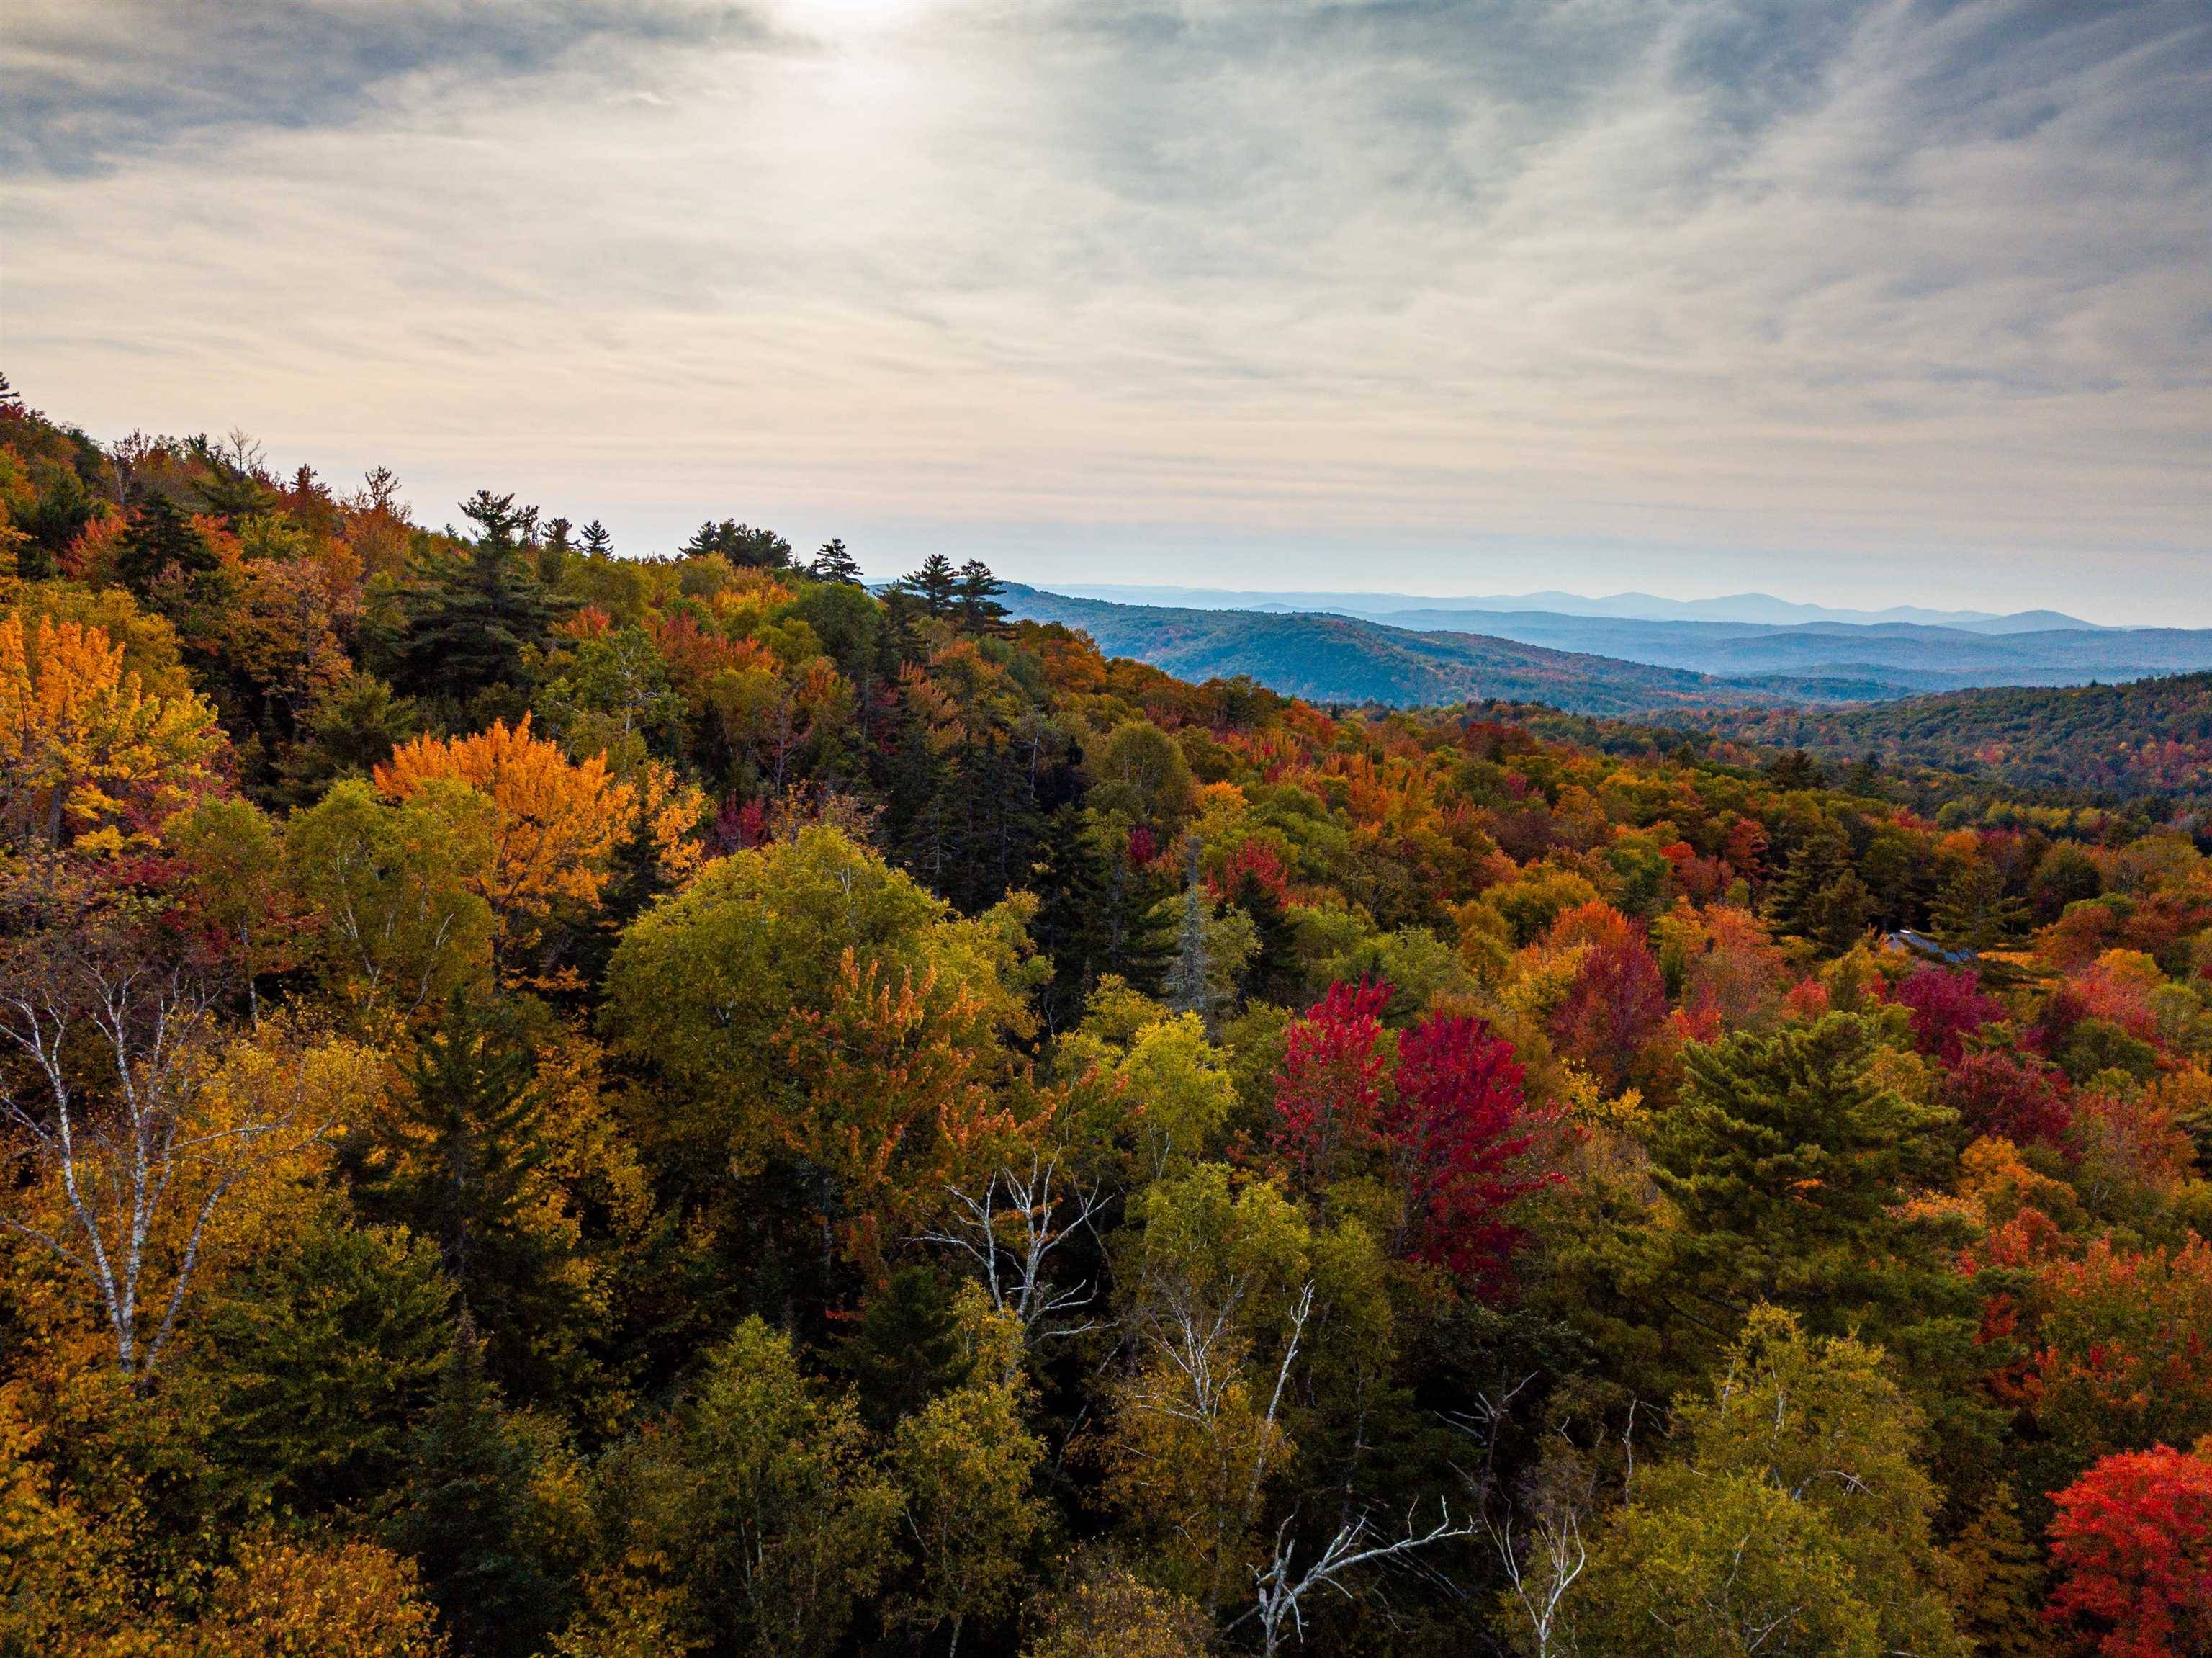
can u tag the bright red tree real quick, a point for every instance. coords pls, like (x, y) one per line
(2133, 1545)
(1335, 1070)
(1616, 1004)
(1947, 1007)
(1443, 1116)
(1454, 1125)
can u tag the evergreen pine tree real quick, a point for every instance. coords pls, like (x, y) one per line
(1973, 913)
(1189, 988)
(462, 1518)
(1796, 770)
(473, 623)
(230, 484)
(741, 544)
(936, 584)
(1274, 973)
(1820, 896)
(907, 1347)
(597, 543)
(977, 592)
(1070, 880)
(1140, 932)
(1788, 1161)
(460, 1149)
(159, 538)
(554, 549)
(833, 563)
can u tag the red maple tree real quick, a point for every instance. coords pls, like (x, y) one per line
(2133, 1545)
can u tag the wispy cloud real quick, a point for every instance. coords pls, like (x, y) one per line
(1922, 285)
(94, 82)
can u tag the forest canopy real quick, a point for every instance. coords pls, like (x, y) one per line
(559, 1102)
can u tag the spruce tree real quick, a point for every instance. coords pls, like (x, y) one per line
(456, 1163)
(907, 1347)
(467, 1498)
(1189, 982)
(1140, 933)
(1070, 880)
(475, 622)
(1274, 973)
(159, 538)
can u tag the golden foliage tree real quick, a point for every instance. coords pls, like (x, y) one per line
(555, 824)
(88, 758)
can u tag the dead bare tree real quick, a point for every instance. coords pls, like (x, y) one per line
(1011, 1231)
(1356, 1545)
(1546, 1554)
(127, 461)
(106, 1094)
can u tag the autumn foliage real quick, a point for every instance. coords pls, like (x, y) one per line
(565, 1104)
(88, 759)
(555, 823)
(2132, 1542)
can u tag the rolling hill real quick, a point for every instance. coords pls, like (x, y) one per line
(1342, 659)
(1801, 653)
(2150, 737)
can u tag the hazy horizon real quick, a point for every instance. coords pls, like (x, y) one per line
(1855, 304)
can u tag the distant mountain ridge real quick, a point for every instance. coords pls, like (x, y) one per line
(1344, 659)
(1809, 661)
(1758, 609)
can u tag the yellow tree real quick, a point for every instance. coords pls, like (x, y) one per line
(134, 1133)
(555, 824)
(86, 757)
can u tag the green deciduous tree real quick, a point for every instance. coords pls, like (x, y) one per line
(758, 1499)
(1796, 1519)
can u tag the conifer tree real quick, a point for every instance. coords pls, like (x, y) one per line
(474, 623)
(1821, 897)
(458, 1162)
(159, 538)
(977, 592)
(467, 1499)
(833, 563)
(937, 584)
(907, 1347)
(1973, 913)
(597, 543)
(1274, 973)
(741, 544)
(1189, 990)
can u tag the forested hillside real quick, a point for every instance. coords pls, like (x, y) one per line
(558, 1103)
(1342, 659)
(2150, 737)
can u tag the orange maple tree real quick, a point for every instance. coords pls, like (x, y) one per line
(555, 822)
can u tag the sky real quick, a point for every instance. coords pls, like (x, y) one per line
(1860, 303)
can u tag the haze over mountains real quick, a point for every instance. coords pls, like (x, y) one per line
(1363, 646)
(1760, 608)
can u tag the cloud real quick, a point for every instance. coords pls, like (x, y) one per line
(1903, 292)
(92, 82)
